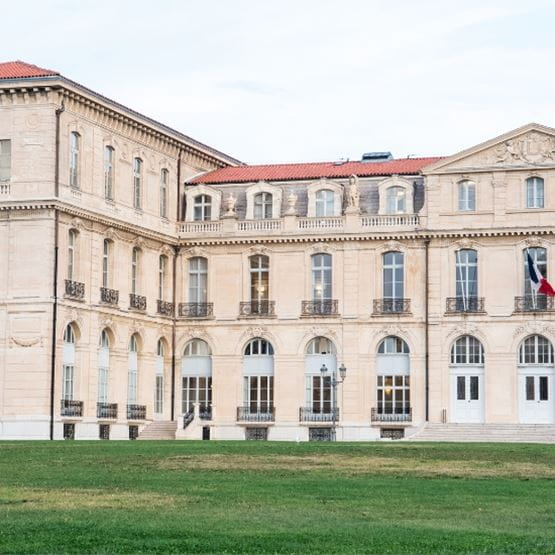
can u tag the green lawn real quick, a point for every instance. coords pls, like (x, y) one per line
(276, 497)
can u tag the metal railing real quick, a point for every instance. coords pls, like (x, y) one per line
(188, 417)
(256, 414)
(137, 302)
(109, 296)
(257, 309)
(195, 310)
(75, 289)
(106, 410)
(69, 407)
(164, 308)
(391, 306)
(389, 412)
(136, 412)
(325, 307)
(464, 304)
(535, 303)
(205, 412)
(308, 414)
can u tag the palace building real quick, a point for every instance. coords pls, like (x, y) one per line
(154, 287)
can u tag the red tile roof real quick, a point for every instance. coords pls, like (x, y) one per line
(314, 170)
(21, 70)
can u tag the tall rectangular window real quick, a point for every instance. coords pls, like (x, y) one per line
(164, 178)
(534, 192)
(263, 206)
(393, 275)
(108, 173)
(259, 393)
(106, 263)
(196, 390)
(74, 147)
(325, 203)
(198, 278)
(161, 276)
(260, 277)
(321, 277)
(466, 274)
(467, 195)
(539, 256)
(5, 160)
(67, 382)
(134, 267)
(137, 182)
(202, 208)
(71, 254)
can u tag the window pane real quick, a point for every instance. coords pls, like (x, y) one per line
(530, 388)
(543, 388)
(474, 388)
(461, 395)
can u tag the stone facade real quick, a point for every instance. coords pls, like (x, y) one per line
(70, 256)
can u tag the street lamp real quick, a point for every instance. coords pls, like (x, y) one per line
(334, 383)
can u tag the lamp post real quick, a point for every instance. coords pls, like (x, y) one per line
(334, 383)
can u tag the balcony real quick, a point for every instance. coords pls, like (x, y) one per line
(107, 410)
(136, 412)
(75, 290)
(164, 308)
(263, 413)
(390, 220)
(455, 305)
(387, 413)
(195, 310)
(109, 296)
(257, 309)
(71, 408)
(308, 414)
(391, 306)
(535, 303)
(137, 302)
(325, 307)
(319, 224)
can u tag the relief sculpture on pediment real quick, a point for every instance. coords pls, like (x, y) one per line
(532, 148)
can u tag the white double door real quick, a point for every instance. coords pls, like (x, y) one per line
(536, 399)
(467, 395)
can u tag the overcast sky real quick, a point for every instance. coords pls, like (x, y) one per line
(305, 80)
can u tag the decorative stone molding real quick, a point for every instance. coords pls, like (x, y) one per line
(194, 252)
(26, 341)
(392, 246)
(531, 242)
(531, 148)
(465, 243)
(166, 250)
(258, 249)
(532, 328)
(317, 248)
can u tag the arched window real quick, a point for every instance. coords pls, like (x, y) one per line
(159, 385)
(320, 346)
(393, 380)
(103, 368)
(259, 269)
(536, 349)
(466, 280)
(132, 371)
(137, 182)
(393, 345)
(135, 255)
(109, 157)
(198, 281)
(68, 364)
(71, 246)
(74, 154)
(325, 203)
(258, 381)
(263, 204)
(393, 281)
(164, 179)
(202, 208)
(467, 350)
(320, 352)
(396, 200)
(321, 277)
(534, 192)
(196, 372)
(467, 195)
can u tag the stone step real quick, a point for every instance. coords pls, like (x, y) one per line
(159, 430)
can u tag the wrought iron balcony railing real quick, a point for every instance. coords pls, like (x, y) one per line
(253, 413)
(75, 289)
(106, 410)
(257, 309)
(464, 304)
(137, 302)
(164, 308)
(109, 296)
(309, 414)
(391, 306)
(535, 303)
(205, 412)
(69, 407)
(324, 307)
(195, 310)
(391, 412)
(136, 412)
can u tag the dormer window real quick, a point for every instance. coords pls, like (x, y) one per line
(263, 205)
(202, 208)
(324, 203)
(396, 200)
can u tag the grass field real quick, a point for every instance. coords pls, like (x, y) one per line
(263, 497)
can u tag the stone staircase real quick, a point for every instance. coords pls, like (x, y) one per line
(159, 430)
(521, 433)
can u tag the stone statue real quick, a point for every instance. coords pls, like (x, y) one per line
(291, 203)
(230, 203)
(353, 195)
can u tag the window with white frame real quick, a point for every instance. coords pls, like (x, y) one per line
(103, 367)
(162, 265)
(135, 254)
(467, 195)
(109, 173)
(325, 203)
(534, 192)
(466, 274)
(393, 275)
(396, 200)
(263, 205)
(106, 254)
(68, 363)
(321, 277)
(467, 350)
(320, 351)
(539, 257)
(198, 280)
(393, 379)
(159, 379)
(71, 245)
(164, 180)
(74, 154)
(137, 182)
(202, 208)
(259, 277)
(258, 376)
(196, 376)
(132, 371)
(536, 349)
(5, 160)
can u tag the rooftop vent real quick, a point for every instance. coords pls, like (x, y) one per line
(376, 156)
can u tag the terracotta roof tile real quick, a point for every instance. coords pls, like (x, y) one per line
(21, 70)
(314, 170)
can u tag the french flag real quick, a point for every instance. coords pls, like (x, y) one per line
(538, 282)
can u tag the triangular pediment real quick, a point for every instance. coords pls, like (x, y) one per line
(530, 146)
